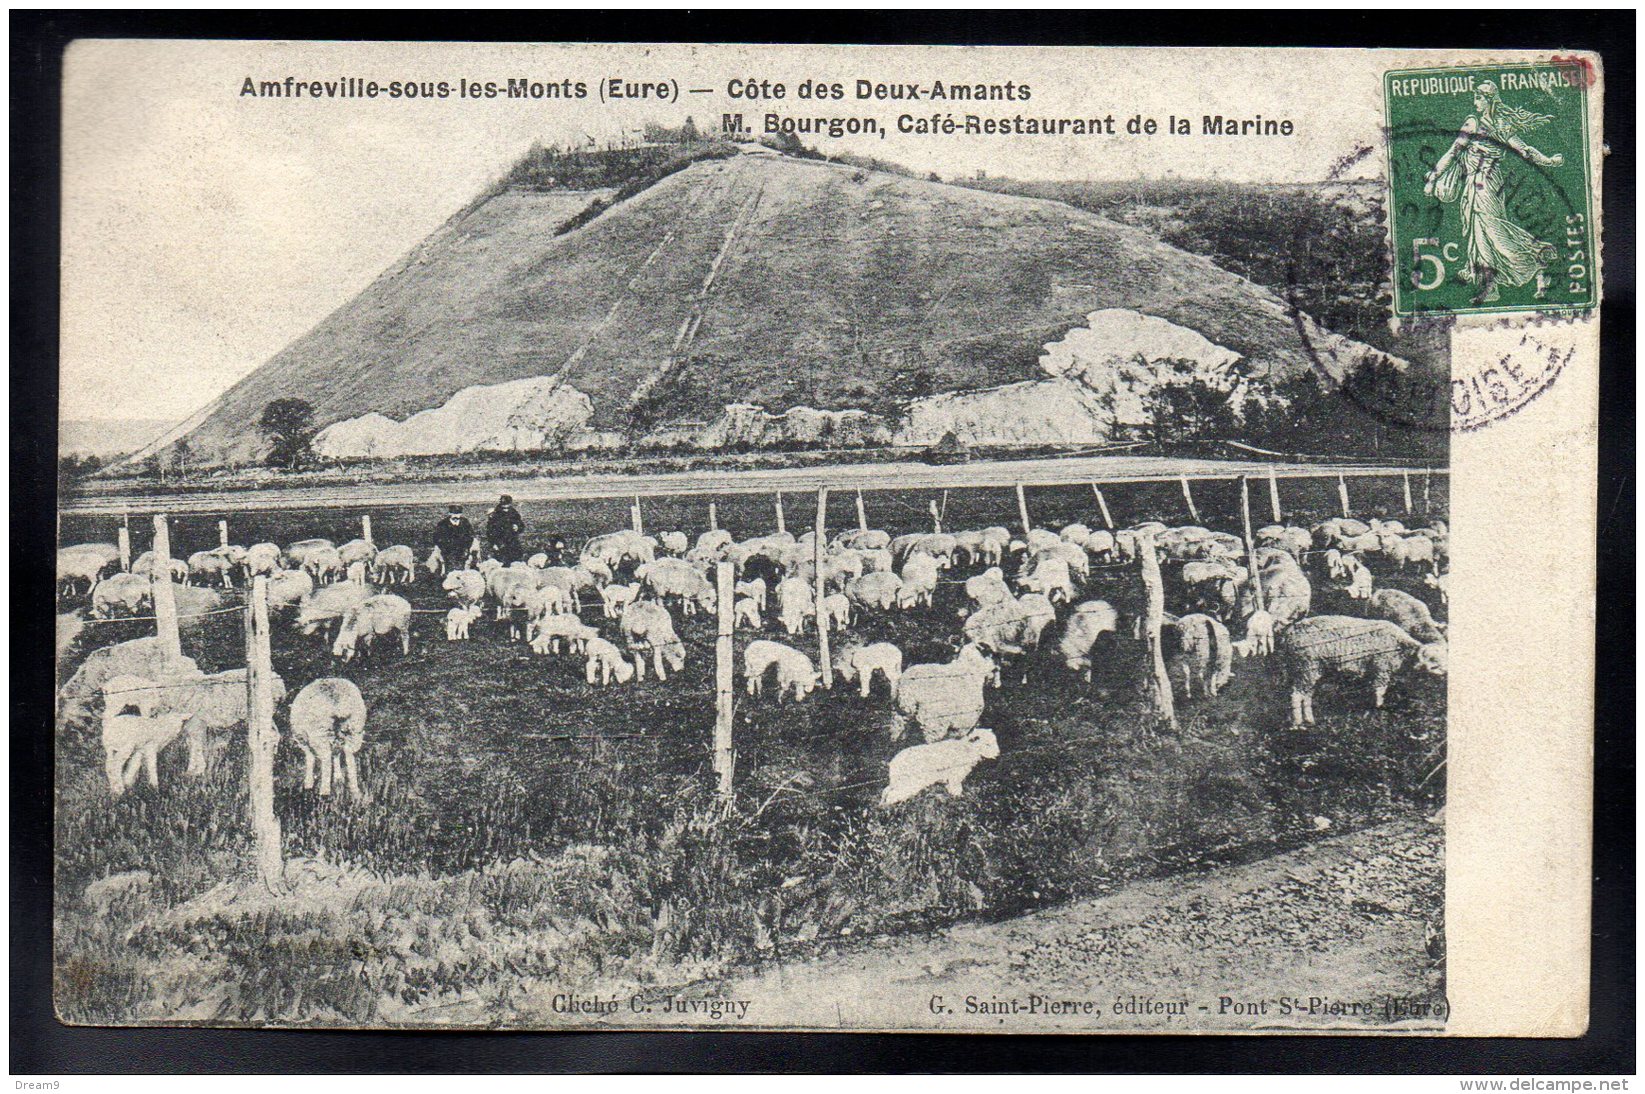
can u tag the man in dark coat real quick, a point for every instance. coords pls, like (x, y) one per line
(503, 530)
(454, 536)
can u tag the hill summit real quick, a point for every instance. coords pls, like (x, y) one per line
(746, 296)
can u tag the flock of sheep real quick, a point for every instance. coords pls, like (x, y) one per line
(639, 584)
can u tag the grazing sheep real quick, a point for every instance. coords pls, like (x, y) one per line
(466, 587)
(919, 580)
(394, 566)
(296, 554)
(877, 560)
(289, 587)
(746, 613)
(614, 598)
(867, 539)
(1079, 562)
(988, 587)
(148, 562)
(546, 634)
(648, 626)
(942, 762)
(69, 627)
(375, 617)
(537, 604)
(1078, 534)
(357, 550)
(1012, 627)
(795, 604)
(324, 564)
(212, 701)
(605, 662)
(1100, 545)
(945, 698)
(322, 611)
(86, 562)
(992, 543)
(1294, 541)
(262, 558)
(128, 691)
(673, 578)
(144, 657)
(1412, 549)
(860, 663)
(795, 672)
(969, 545)
(875, 590)
(755, 590)
(1373, 649)
(1051, 578)
(488, 566)
(1088, 623)
(328, 723)
(674, 543)
(615, 548)
(356, 572)
(436, 564)
(1259, 635)
(1407, 613)
(1213, 586)
(1199, 647)
(1286, 593)
(714, 541)
(458, 620)
(206, 567)
(835, 611)
(131, 745)
(1440, 582)
(502, 581)
(120, 596)
(1359, 578)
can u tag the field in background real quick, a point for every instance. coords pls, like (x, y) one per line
(524, 829)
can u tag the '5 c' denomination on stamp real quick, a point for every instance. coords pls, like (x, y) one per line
(1489, 177)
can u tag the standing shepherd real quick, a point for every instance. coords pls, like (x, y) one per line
(454, 536)
(503, 530)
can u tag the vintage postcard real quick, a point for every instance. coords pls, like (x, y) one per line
(826, 538)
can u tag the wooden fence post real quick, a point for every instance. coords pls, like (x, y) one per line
(634, 514)
(1273, 495)
(713, 517)
(1250, 542)
(1022, 511)
(943, 515)
(365, 527)
(165, 604)
(819, 556)
(262, 740)
(1405, 477)
(1107, 521)
(1153, 618)
(1427, 480)
(724, 659)
(781, 527)
(862, 514)
(122, 536)
(1188, 496)
(222, 533)
(936, 517)
(1342, 495)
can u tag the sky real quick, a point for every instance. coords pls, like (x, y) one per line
(204, 230)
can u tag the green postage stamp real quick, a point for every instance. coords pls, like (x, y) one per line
(1489, 203)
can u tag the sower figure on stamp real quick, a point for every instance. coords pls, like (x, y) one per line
(503, 530)
(1498, 250)
(454, 536)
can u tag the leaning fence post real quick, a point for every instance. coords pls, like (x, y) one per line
(1153, 619)
(1022, 511)
(936, 517)
(862, 514)
(165, 604)
(724, 658)
(1342, 494)
(1250, 541)
(781, 527)
(263, 739)
(1188, 496)
(1405, 477)
(1427, 480)
(122, 536)
(1107, 521)
(818, 557)
(222, 533)
(1273, 495)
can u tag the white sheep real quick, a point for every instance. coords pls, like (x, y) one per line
(919, 580)
(648, 626)
(795, 672)
(85, 562)
(795, 604)
(357, 550)
(148, 562)
(882, 590)
(121, 595)
(860, 663)
(380, 616)
(606, 662)
(746, 613)
(674, 543)
(1359, 578)
(1086, 624)
(131, 745)
(836, 611)
(945, 762)
(328, 724)
(394, 565)
(1204, 654)
(1440, 582)
(674, 578)
(546, 634)
(465, 587)
(289, 588)
(436, 563)
(458, 620)
(206, 567)
(324, 564)
(1259, 636)
(614, 598)
(1051, 578)
(262, 558)
(322, 611)
(943, 698)
(755, 590)
(988, 587)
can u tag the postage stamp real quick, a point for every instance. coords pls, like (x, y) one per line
(1489, 188)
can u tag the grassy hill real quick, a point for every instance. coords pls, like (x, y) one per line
(756, 278)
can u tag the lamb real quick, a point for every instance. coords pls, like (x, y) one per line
(755, 590)
(1440, 582)
(673, 577)
(394, 566)
(328, 723)
(944, 698)
(860, 663)
(1373, 649)
(325, 564)
(1417, 549)
(321, 612)
(876, 590)
(1259, 635)
(537, 604)
(796, 604)
(945, 762)
(1407, 613)
(606, 662)
(436, 563)
(988, 587)
(1051, 578)
(1088, 623)
(1203, 654)
(648, 626)
(1011, 627)
(261, 558)
(746, 613)
(144, 657)
(835, 611)
(674, 543)
(357, 550)
(1359, 578)
(614, 598)
(148, 562)
(546, 634)
(919, 580)
(131, 745)
(120, 596)
(212, 701)
(795, 672)
(458, 620)
(86, 562)
(209, 566)
(380, 616)
(288, 588)
(466, 587)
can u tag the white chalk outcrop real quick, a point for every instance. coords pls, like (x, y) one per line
(1121, 354)
(535, 413)
(754, 426)
(1031, 412)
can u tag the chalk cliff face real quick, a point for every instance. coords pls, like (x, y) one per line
(536, 413)
(1122, 354)
(747, 424)
(1057, 411)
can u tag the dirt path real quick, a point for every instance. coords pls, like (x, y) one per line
(1317, 938)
